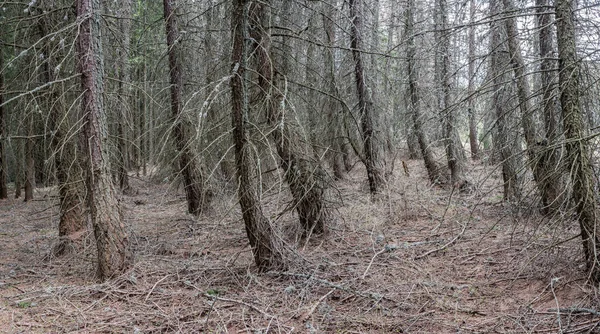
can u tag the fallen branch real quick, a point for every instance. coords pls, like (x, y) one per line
(575, 310)
(371, 263)
(446, 245)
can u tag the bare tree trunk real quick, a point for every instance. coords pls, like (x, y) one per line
(112, 243)
(3, 173)
(454, 149)
(578, 152)
(29, 158)
(67, 163)
(266, 247)
(471, 89)
(198, 199)
(303, 176)
(553, 181)
(508, 158)
(123, 92)
(541, 169)
(372, 146)
(435, 172)
(333, 106)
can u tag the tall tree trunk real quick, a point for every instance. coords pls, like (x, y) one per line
(3, 173)
(436, 173)
(553, 181)
(67, 163)
(333, 106)
(29, 158)
(267, 248)
(372, 145)
(508, 156)
(578, 152)
(112, 243)
(454, 149)
(542, 170)
(471, 86)
(303, 176)
(123, 92)
(198, 199)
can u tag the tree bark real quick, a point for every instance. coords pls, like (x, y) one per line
(504, 146)
(333, 105)
(198, 198)
(303, 176)
(549, 150)
(67, 163)
(267, 248)
(29, 158)
(577, 147)
(123, 93)
(454, 149)
(474, 145)
(436, 173)
(3, 173)
(112, 243)
(372, 146)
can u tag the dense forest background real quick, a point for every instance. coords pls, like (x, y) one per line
(140, 139)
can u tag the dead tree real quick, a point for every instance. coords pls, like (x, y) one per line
(304, 177)
(112, 243)
(372, 146)
(577, 146)
(3, 173)
(198, 198)
(67, 162)
(267, 248)
(502, 89)
(436, 173)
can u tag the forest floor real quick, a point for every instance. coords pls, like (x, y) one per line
(419, 259)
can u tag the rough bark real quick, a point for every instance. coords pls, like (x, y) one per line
(372, 145)
(112, 243)
(550, 150)
(67, 163)
(29, 158)
(472, 112)
(454, 149)
(304, 177)
(436, 173)
(123, 93)
(333, 105)
(537, 153)
(198, 199)
(502, 142)
(267, 248)
(3, 173)
(577, 147)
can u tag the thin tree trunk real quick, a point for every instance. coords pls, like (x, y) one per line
(372, 146)
(3, 173)
(578, 152)
(267, 248)
(29, 158)
(333, 106)
(454, 149)
(123, 93)
(539, 168)
(508, 158)
(471, 86)
(550, 150)
(198, 199)
(302, 175)
(112, 243)
(67, 163)
(436, 173)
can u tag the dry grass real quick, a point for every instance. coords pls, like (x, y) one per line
(419, 259)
